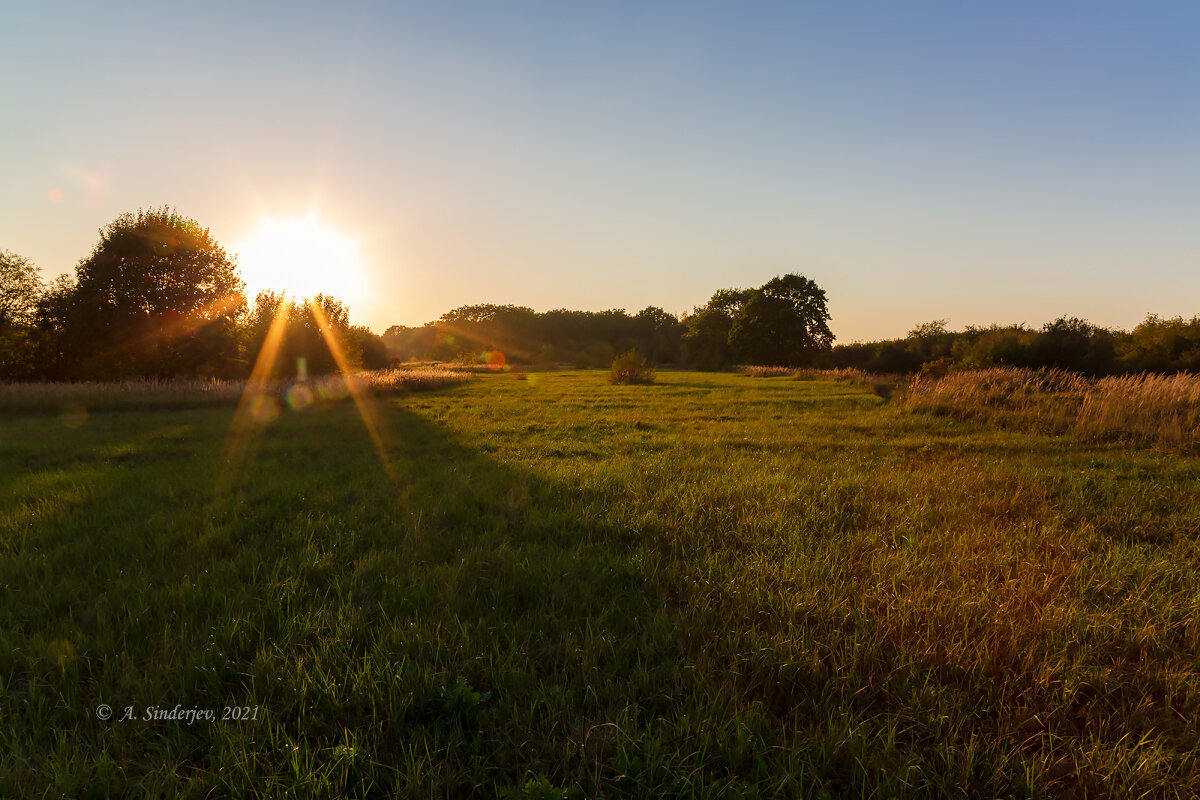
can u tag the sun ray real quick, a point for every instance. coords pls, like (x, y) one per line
(254, 407)
(361, 401)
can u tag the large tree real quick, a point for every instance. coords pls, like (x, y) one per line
(157, 297)
(785, 323)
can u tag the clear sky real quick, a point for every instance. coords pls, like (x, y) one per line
(976, 162)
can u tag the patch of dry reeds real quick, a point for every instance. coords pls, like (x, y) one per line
(443, 366)
(1161, 411)
(201, 392)
(385, 381)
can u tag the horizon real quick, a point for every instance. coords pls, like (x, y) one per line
(978, 165)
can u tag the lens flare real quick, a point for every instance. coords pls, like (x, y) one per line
(299, 397)
(264, 409)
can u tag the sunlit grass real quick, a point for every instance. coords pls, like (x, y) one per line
(708, 587)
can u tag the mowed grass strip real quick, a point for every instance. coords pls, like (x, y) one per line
(712, 586)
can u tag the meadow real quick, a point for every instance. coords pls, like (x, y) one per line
(716, 585)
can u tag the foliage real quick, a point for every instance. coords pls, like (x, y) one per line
(53, 359)
(1074, 344)
(659, 334)
(708, 328)
(723, 588)
(1157, 345)
(371, 347)
(584, 338)
(783, 323)
(631, 367)
(311, 322)
(1162, 345)
(157, 297)
(20, 290)
(306, 328)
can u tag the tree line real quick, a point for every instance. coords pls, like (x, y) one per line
(1156, 345)
(158, 297)
(784, 322)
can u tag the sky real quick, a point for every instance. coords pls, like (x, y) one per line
(974, 162)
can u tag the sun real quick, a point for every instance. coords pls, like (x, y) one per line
(300, 257)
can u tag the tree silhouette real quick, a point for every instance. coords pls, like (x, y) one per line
(157, 297)
(786, 323)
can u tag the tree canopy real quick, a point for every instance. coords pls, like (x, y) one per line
(158, 296)
(20, 289)
(784, 322)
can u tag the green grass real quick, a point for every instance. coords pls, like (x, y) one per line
(714, 586)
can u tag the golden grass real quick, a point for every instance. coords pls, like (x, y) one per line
(1161, 411)
(767, 372)
(882, 384)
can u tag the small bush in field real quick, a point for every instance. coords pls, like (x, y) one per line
(631, 367)
(937, 369)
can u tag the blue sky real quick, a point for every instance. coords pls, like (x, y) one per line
(999, 162)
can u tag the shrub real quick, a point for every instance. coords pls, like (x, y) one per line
(631, 367)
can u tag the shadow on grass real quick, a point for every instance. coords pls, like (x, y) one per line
(469, 628)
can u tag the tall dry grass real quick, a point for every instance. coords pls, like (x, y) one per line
(1161, 411)
(766, 372)
(200, 392)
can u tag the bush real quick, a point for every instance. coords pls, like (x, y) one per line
(631, 367)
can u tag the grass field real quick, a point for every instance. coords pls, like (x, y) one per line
(713, 586)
